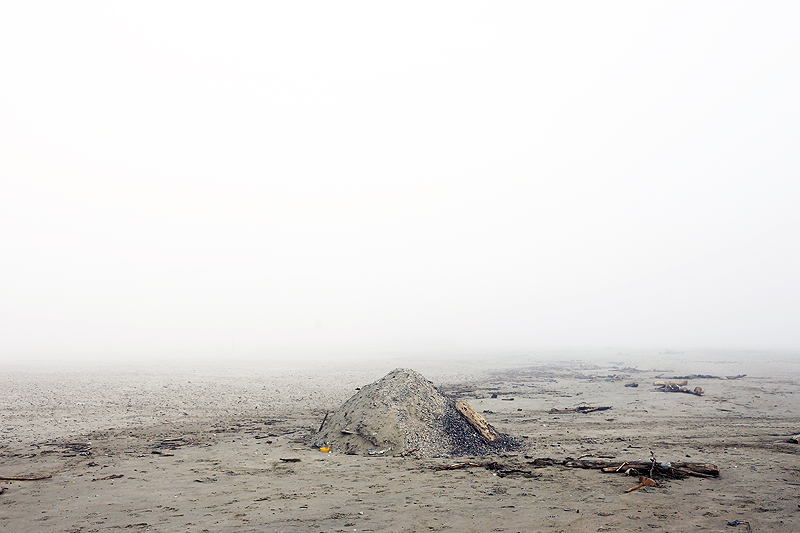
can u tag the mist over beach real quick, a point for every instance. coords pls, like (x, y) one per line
(223, 226)
(272, 181)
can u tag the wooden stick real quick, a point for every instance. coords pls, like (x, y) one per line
(323, 421)
(112, 476)
(17, 478)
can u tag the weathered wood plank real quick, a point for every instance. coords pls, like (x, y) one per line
(477, 421)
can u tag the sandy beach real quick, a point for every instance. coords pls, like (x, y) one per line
(200, 448)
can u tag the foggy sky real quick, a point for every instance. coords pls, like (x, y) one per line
(324, 177)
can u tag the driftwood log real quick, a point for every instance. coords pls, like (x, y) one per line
(112, 476)
(22, 478)
(477, 421)
(643, 468)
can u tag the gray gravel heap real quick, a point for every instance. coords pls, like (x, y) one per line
(404, 413)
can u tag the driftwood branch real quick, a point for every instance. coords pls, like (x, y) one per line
(112, 476)
(580, 409)
(22, 478)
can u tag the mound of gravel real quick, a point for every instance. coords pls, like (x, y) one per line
(404, 413)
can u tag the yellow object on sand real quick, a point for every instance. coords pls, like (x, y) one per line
(324, 449)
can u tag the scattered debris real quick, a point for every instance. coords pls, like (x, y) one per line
(173, 443)
(644, 481)
(378, 452)
(500, 470)
(112, 476)
(579, 409)
(24, 478)
(163, 454)
(670, 386)
(72, 449)
(737, 522)
(633, 384)
(290, 460)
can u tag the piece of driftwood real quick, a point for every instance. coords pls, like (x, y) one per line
(644, 481)
(649, 468)
(24, 478)
(580, 409)
(677, 387)
(290, 460)
(323, 421)
(477, 421)
(112, 476)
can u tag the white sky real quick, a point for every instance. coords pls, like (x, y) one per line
(321, 177)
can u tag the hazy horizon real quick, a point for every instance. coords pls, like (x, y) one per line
(303, 180)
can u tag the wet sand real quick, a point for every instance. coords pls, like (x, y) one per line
(160, 448)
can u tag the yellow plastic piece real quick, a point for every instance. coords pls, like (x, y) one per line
(324, 449)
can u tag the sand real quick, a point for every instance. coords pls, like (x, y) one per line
(158, 448)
